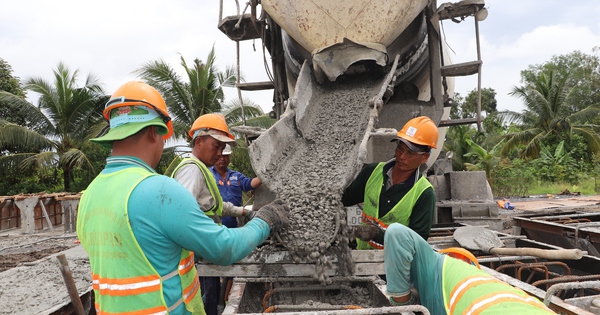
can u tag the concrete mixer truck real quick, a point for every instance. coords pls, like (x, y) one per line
(345, 76)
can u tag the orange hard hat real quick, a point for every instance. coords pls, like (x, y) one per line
(420, 130)
(461, 254)
(138, 93)
(211, 121)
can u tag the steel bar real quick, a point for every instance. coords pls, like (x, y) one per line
(567, 286)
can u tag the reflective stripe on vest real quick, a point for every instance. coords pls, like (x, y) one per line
(123, 279)
(211, 183)
(490, 300)
(149, 311)
(400, 213)
(467, 290)
(125, 286)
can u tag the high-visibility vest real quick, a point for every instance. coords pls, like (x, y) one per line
(471, 291)
(400, 213)
(123, 280)
(211, 183)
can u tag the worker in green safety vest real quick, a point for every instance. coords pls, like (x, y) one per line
(395, 191)
(142, 230)
(210, 135)
(446, 285)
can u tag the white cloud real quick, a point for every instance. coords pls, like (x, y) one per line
(112, 38)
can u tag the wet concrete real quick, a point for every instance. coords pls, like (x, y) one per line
(311, 156)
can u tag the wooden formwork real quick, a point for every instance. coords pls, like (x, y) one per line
(35, 212)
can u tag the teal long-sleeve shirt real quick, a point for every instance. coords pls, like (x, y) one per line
(165, 218)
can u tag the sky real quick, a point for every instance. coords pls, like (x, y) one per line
(110, 39)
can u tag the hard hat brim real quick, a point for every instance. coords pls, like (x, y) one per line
(218, 135)
(129, 129)
(412, 146)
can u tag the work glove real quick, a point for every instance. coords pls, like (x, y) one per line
(365, 232)
(249, 214)
(276, 214)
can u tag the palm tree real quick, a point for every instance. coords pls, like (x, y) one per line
(57, 127)
(188, 98)
(253, 114)
(483, 159)
(456, 142)
(547, 114)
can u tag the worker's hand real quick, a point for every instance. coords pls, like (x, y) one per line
(365, 232)
(276, 214)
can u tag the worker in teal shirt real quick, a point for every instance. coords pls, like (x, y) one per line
(231, 184)
(141, 229)
(444, 282)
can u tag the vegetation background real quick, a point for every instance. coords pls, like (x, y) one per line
(552, 145)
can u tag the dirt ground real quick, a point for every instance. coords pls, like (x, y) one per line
(18, 249)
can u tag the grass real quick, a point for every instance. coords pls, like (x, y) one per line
(515, 188)
(585, 187)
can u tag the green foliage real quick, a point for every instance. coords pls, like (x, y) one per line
(548, 116)
(512, 178)
(56, 129)
(10, 84)
(456, 142)
(199, 93)
(240, 160)
(556, 165)
(484, 160)
(467, 107)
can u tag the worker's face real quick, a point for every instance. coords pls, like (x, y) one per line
(208, 150)
(223, 162)
(408, 160)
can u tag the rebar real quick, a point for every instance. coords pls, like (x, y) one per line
(569, 286)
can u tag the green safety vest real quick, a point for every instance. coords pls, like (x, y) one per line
(469, 292)
(211, 183)
(400, 213)
(123, 280)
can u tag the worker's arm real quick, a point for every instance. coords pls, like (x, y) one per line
(172, 219)
(255, 182)
(247, 183)
(355, 193)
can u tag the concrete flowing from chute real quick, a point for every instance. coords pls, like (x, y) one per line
(308, 158)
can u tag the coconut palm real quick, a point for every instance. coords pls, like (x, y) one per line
(57, 127)
(548, 114)
(253, 115)
(483, 160)
(199, 93)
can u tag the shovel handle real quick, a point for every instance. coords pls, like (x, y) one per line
(562, 254)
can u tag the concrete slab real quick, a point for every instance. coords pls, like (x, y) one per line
(38, 287)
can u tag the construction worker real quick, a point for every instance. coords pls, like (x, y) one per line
(141, 229)
(395, 191)
(231, 184)
(210, 134)
(446, 285)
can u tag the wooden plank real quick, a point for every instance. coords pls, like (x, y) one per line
(282, 270)
(283, 257)
(46, 215)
